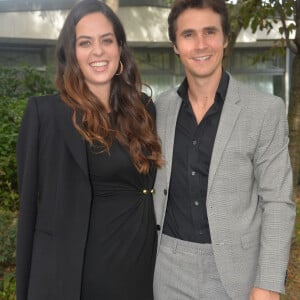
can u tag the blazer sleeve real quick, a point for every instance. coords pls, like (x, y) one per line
(27, 163)
(273, 173)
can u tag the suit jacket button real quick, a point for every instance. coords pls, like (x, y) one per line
(157, 227)
(165, 192)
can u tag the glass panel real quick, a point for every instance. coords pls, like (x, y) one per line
(159, 83)
(159, 68)
(245, 58)
(18, 56)
(267, 76)
(266, 83)
(153, 60)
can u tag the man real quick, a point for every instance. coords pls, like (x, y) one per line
(223, 199)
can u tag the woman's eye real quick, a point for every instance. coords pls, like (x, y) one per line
(84, 43)
(107, 41)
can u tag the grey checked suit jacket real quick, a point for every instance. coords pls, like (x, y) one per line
(249, 199)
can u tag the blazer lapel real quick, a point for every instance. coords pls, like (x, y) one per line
(73, 139)
(229, 115)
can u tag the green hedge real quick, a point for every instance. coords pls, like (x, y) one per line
(17, 85)
(11, 111)
(8, 223)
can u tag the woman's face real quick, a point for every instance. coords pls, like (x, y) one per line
(97, 51)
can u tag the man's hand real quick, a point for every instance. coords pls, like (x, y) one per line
(261, 294)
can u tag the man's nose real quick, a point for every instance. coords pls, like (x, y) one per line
(201, 41)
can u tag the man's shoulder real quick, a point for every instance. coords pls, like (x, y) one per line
(251, 95)
(166, 96)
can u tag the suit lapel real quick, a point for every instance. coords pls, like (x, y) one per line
(229, 115)
(73, 139)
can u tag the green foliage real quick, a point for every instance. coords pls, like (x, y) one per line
(17, 84)
(11, 111)
(23, 82)
(262, 15)
(8, 223)
(8, 285)
(169, 2)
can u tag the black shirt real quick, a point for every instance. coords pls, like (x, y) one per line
(186, 215)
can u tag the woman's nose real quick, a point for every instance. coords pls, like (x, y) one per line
(98, 49)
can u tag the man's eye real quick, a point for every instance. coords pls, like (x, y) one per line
(210, 32)
(187, 35)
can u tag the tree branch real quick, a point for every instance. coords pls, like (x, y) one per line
(292, 45)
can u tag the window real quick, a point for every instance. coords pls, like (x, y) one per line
(267, 76)
(17, 55)
(159, 67)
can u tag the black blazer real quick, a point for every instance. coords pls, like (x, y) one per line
(55, 200)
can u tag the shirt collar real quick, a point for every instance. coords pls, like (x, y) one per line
(221, 91)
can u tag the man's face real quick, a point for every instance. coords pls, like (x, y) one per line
(200, 43)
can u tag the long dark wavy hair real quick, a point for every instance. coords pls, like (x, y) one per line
(134, 127)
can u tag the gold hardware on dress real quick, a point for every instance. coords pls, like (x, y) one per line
(145, 191)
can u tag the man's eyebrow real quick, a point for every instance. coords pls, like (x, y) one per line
(188, 30)
(211, 28)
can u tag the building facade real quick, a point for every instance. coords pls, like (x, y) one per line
(29, 29)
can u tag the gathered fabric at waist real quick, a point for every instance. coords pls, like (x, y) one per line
(111, 189)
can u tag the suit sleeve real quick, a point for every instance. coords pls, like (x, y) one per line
(27, 162)
(273, 173)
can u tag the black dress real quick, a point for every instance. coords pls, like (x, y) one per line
(121, 246)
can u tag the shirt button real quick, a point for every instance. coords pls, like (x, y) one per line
(194, 142)
(196, 203)
(193, 173)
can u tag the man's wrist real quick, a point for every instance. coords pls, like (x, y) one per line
(263, 294)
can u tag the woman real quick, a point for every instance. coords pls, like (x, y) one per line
(86, 161)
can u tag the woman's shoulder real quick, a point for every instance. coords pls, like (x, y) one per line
(47, 105)
(45, 99)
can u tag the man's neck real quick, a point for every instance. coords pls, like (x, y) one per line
(201, 92)
(203, 89)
